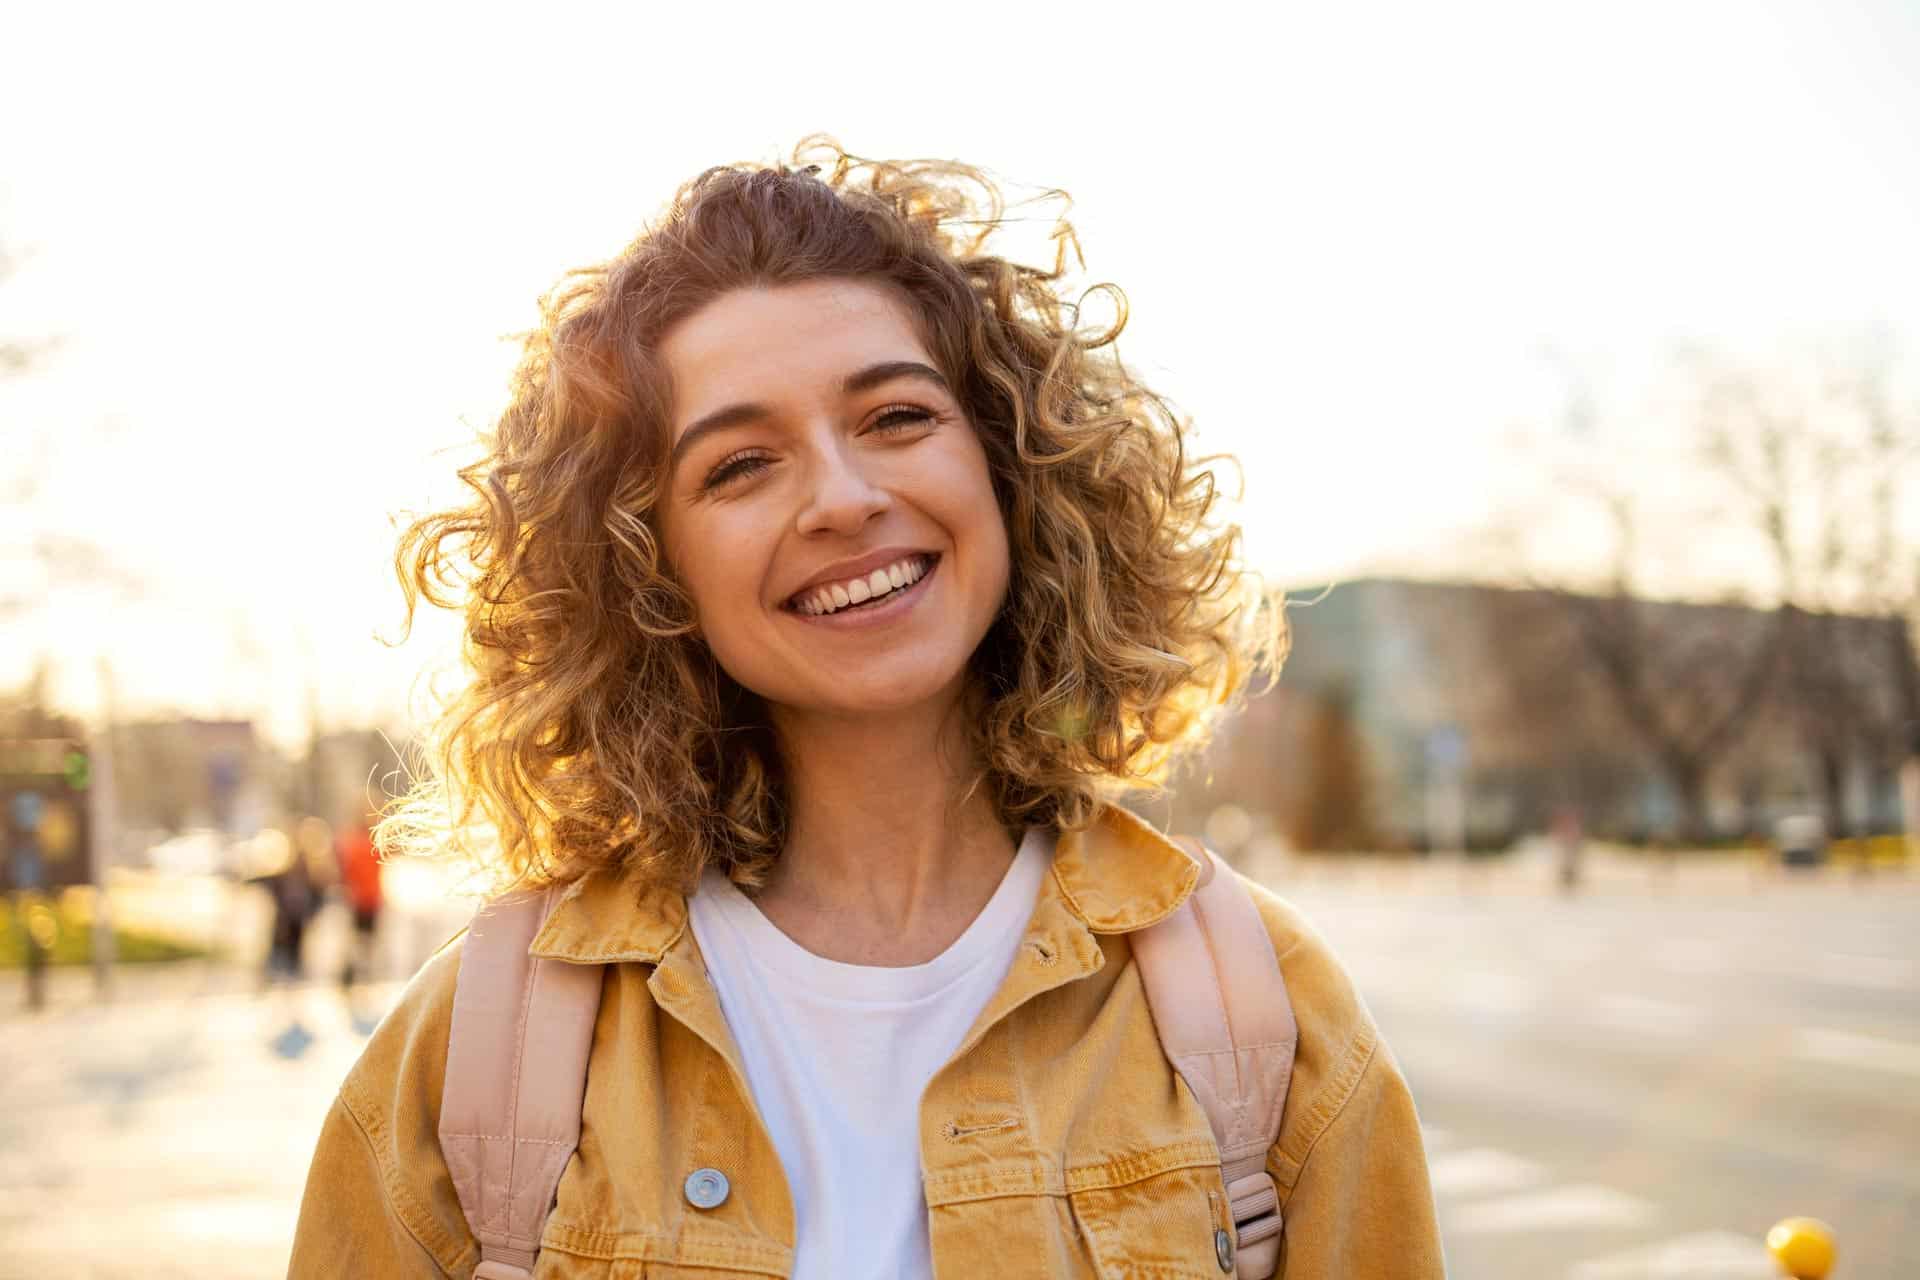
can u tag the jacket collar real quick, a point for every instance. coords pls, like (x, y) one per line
(1118, 875)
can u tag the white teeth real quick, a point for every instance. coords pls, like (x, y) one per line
(828, 599)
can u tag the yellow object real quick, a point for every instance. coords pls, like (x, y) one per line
(42, 924)
(1803, 1247)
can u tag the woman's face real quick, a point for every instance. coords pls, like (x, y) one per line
(828, 504)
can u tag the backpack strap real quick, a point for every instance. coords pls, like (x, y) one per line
(516, 1076)
(1220, 1005)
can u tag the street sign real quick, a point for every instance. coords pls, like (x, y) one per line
(43, 796)
(1446, 748)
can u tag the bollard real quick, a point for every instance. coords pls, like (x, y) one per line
(1803, 1247)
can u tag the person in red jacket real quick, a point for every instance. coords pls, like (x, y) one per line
(360, 881)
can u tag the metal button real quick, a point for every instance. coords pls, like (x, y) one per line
(706, 1188)
(1223, 1249)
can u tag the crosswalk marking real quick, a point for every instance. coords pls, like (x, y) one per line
(1645, 1015)
(1878, 973)
(1706, 1255)
(1583, 1204)
(1850, 1049)
(1692, 956)
(262, 1220)
(1500, 994)
(1698, 957)
(1482, 1171)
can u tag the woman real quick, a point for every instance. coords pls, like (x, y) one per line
(828, 585)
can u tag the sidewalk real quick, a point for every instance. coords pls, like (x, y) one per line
(166, 1129)
(169, 1135)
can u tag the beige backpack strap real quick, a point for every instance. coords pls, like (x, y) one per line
(1226, 1025)
(516, 1075)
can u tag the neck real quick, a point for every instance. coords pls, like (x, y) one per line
(888, 857)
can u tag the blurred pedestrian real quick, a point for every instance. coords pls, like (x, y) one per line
(294, 888)
(290, 888)
(360, 875)
(1569, 843)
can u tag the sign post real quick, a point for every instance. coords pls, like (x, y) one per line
(44, 786)
(1446, 752)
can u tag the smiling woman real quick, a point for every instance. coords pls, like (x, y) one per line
(745, 356)
(827, 587)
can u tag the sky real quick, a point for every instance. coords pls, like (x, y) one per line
(275, 253)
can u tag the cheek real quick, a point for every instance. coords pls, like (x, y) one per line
(985, 516)
(712, 581)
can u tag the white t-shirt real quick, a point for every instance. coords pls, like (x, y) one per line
(837, 1056)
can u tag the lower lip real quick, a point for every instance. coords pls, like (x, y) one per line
(877, 615)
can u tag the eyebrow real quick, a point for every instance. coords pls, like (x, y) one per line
(736, 415)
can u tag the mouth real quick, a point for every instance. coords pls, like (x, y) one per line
(837, 603)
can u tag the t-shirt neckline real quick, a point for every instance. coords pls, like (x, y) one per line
(1008, 910)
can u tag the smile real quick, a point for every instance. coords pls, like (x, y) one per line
(872, 593)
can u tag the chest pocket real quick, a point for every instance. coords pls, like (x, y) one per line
(1159, 1227)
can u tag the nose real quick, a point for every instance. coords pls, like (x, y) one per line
(841, 495)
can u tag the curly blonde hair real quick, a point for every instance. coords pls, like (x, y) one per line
(597, 730)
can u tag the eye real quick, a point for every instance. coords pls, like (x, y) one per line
(900, 417)
(733, 467)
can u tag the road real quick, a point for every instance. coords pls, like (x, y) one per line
(1637, 1082)
(1634, 1082)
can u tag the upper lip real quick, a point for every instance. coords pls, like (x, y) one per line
(857, 567)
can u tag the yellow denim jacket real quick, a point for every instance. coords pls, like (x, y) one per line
(1057, 1142)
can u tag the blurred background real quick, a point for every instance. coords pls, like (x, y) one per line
(1572, 359)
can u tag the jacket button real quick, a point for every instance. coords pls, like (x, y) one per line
(1223, 1249)
(706, 1188)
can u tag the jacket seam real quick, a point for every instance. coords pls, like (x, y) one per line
(1328, 1105)
(1107, 1175)
(1128, 1170)
(666, 1246)
(1066, 894)
(407, 1211)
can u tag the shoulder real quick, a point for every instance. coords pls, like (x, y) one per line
(1350, 1164)
(1326, 1003)
(405, 1059)
(381, 1146)
(1339, 1057)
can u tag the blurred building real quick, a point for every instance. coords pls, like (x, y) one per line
(221, 776)
(1416, 715)
(179, 774)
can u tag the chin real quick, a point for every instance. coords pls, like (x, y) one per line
(875, 697)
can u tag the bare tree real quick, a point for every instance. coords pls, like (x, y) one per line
(1686, 681)
(1818, 473)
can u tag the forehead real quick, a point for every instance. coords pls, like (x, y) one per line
(768, 344)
